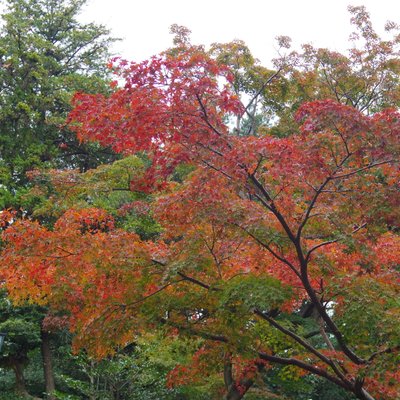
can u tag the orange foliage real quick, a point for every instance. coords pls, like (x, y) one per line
(301, 210)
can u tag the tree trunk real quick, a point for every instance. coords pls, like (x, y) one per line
(20, 387)
(92, 395)
(234, 394)
(234, 391)
(47, 365)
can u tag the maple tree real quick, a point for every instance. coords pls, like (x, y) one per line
(261, 234)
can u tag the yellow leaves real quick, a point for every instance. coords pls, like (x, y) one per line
(291, 373)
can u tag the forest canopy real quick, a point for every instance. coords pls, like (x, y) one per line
(238, 221)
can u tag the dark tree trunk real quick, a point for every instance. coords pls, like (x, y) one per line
(234, 394)
(18, 368)
(47, 365)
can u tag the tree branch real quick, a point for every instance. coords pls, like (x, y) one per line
(197, 282)
(303, 343)
(307, 367)
(269, 249)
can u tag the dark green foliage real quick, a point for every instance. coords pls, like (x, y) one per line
(46, 55)
(23, 332)
(22, 325)
(137, 372)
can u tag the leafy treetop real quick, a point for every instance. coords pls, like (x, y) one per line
(264, 233)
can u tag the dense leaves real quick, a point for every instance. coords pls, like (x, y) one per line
(280, 253)
(46, 56)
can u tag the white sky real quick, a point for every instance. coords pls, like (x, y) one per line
(144, 25)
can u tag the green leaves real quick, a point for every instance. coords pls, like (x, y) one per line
(369, 313)
(46, 56)
(246, 292)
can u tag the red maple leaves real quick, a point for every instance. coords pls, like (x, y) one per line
(301, 210)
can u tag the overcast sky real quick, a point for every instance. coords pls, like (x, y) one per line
(144, 25)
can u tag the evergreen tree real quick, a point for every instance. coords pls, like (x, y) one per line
(46, 55)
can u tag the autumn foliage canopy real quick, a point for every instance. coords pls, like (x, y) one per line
(263, 232)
